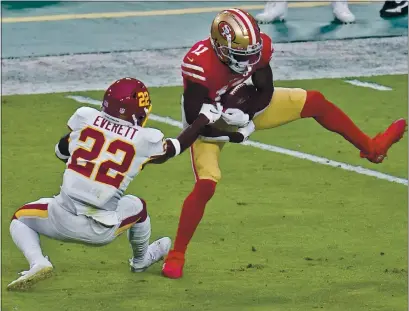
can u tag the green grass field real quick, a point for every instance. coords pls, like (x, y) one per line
(280, 234)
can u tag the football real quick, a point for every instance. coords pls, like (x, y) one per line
(238, 97)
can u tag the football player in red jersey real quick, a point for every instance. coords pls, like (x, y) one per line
(235, 51)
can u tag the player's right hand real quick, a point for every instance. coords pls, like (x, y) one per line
(212, 112)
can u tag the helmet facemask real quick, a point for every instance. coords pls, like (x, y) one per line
(242, 61)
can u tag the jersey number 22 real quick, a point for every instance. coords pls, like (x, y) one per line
(103, 174)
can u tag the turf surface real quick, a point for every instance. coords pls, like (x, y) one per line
(280, 233)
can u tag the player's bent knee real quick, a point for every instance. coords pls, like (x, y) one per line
(205, 189)
(133, 207)
(315, 104)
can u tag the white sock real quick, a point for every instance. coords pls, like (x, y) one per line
(138, 236)
(27, 240)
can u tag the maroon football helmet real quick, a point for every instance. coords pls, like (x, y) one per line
(127, 99)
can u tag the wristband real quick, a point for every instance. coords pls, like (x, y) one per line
(175, 144)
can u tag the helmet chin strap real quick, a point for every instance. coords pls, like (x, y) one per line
(143, 122)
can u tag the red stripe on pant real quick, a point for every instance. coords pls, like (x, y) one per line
(192, 159)
(138, 218)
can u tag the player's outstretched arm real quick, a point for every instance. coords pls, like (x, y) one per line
(61, 148)
(208, 114)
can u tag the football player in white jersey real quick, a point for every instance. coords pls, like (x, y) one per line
(104, 151)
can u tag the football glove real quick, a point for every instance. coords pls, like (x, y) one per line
(236, 117)
(247, 130)
(212, 112)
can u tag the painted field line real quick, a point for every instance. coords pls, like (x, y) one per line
(371, 85)
(165, 12)
(271, 148)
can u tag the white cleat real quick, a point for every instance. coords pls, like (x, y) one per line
(273, 11)
(37, 272)
(156, 251)
(342, 13)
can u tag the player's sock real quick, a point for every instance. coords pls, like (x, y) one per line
(334, 119)
(138, 236)
(192, 212)
(27, 240)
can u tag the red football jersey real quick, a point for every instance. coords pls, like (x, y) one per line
(201, 65)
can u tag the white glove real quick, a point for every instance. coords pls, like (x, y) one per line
(234, 116)
(247, 130)
(212, 112)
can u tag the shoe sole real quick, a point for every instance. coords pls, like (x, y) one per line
(171, 276)
(24, 284)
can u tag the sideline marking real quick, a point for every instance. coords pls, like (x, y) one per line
(271, 148)
(61, 17)
(371, 85)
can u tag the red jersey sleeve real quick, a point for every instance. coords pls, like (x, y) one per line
(267, 51)
(194, 63)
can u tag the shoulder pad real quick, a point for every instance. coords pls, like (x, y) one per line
(85, 112)
(152, 135)
(80, 116)
(268, 49)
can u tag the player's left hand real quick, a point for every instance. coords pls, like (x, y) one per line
(247, 130)
(236, 117)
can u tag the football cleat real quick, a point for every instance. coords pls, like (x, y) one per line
(383, 141)
(37, 272)
(273, 12)
(173, 266)
(394, 9)
(342, 13)
(156, 251)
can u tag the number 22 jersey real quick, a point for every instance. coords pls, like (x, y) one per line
(105, 157)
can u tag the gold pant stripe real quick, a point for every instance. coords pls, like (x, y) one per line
(124, 228)
(31, 212)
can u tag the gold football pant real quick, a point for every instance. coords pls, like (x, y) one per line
(285, 106)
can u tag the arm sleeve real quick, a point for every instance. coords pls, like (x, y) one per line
(61, 148)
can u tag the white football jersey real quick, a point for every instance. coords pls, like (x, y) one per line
(105, 157)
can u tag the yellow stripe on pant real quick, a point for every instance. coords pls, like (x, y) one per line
(31, 212)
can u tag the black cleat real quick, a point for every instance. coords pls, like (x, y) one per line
(394, 9)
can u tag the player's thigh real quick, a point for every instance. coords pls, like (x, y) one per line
(131, 210)
(285, 106)
(78, 228)
(205, 159)
(36, 216)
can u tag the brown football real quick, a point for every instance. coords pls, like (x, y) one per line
(238, 97)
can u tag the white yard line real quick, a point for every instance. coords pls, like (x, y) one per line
(271, 148)
(370, 85)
